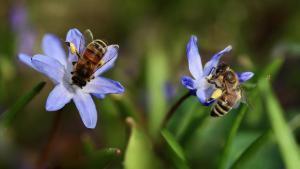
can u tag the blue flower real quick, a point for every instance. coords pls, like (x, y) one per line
(56, 66)
(198, 85)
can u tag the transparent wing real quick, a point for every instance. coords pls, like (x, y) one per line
(110, 54)
(81, 45)
(244, 98)
(88, 35)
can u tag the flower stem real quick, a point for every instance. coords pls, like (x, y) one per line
(41, 163)
(175, 107)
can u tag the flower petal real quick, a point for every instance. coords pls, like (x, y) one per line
(74, 36)
(204, 96)
(99, 96)
(244, 76)
(194, 59)
(49, 67)
(101, 85)
(58, 98)
(109, 59)
(53, 48)
(213, 62)
(26, 59)
(188, 82)
(86, 108)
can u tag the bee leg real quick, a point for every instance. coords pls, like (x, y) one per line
(93, 77)
(209, 100)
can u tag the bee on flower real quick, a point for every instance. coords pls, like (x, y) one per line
(76, 77)
(215, 83)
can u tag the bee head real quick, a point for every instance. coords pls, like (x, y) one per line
(230, 77)
(78, 81)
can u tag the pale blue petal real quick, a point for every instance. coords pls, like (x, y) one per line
(201, 96)
(244, 76)
(74, 36)
(49, 67)
(86, 108)
(109, 59)
(99, 96)
(213, 62)
(194, 59)
(204, 96)
(26, 59)
(101, 85)
(58, 98)
(52, 47)
(188, 82)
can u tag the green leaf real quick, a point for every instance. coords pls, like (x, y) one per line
(177, 153)
(283, 134)
(224, 160)
(102, 158)
(98, 158)
(126, 109)
(251, 149)
(257, 144)
(139, 153)
(156, 79)
(10, 114)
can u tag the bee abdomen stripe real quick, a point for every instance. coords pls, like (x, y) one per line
(220, 109)
(224, 106)
(215, 113)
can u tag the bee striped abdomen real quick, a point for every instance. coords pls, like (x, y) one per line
(93, 55)
(220, 108)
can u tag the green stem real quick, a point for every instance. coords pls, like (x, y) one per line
(236, 124)
(260, 142)
(175, 107)
(9, 115)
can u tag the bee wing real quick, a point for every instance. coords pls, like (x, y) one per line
(85, 39)
(88, 35)
(108, 59)
(81, 45)
(244, 98)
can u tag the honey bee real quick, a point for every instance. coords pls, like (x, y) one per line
(90, 58)
(228, 92)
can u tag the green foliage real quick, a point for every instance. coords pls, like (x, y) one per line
(285, 139)
(232, 133)
(139, 153)
(176, 152)
(10, 114)
(103, 158)
(156, 80)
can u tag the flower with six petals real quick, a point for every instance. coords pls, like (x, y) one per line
(55, 65)
(198, 85)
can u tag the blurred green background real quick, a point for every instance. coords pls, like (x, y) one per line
(152, 36)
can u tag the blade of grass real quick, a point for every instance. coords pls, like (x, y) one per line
(257, 144)
(10, 114)
(232, 133)
(139, 153)
(156, 78)
(283, 135)
(250, 150)
(176, 152)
